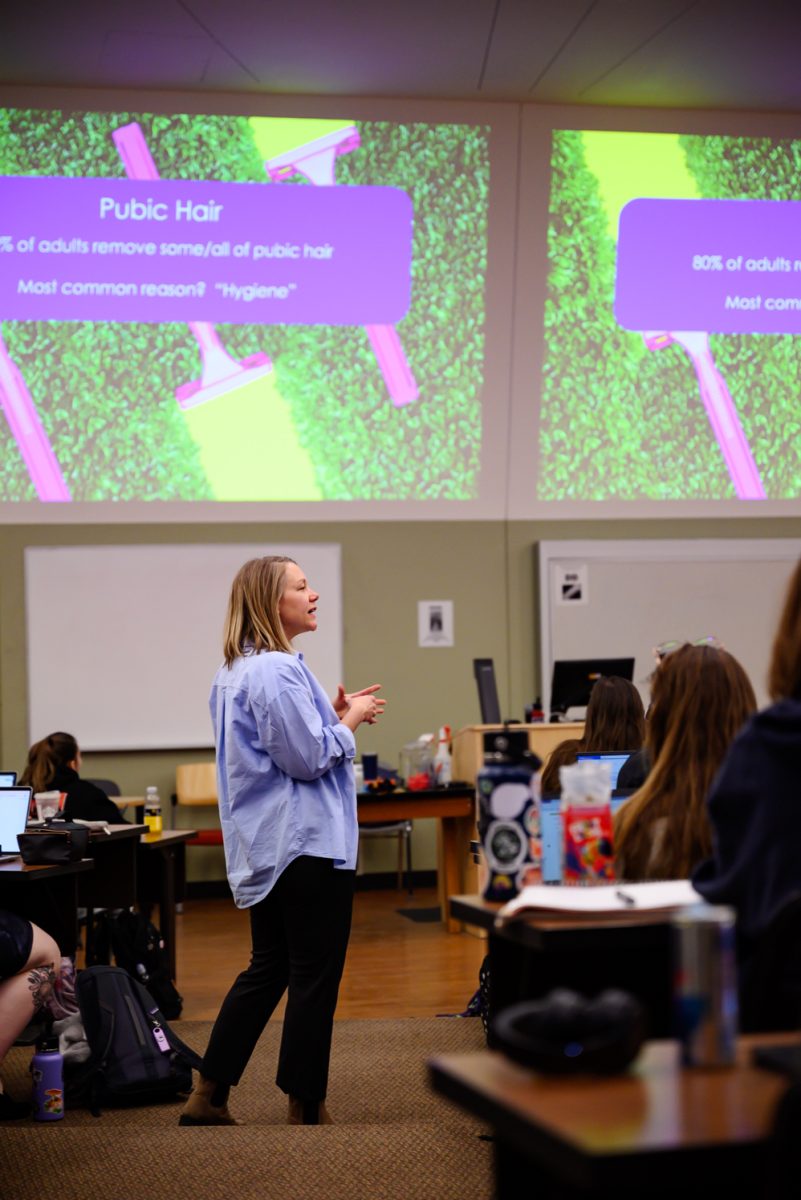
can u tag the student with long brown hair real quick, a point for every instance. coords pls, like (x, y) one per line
(753, 804)
(701, 698)
(615, 724)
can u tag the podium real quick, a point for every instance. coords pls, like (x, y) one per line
(467, 744)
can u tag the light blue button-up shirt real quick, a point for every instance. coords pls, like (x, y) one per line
(284, 771)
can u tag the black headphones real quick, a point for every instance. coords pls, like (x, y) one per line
(565, 1033)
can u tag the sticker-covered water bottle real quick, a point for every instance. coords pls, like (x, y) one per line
(508, 817)
(47, 1071)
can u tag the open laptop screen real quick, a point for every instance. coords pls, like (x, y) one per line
(7, 779)
(551, 830)
(14, 805)
(615, 763)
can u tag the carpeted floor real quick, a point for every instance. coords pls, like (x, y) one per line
(393, 1138)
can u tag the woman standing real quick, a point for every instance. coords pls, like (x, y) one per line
(288, 814)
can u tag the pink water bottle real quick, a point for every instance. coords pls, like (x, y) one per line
(47, 1069)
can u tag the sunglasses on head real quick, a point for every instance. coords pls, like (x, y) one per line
(662, 651)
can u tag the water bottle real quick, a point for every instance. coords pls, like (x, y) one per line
(508, 819)
(153, 810)
(47, 1070)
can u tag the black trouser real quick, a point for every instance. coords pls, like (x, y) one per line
(300, 935)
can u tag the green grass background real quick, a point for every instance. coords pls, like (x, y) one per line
(619, 421)
(105, 393)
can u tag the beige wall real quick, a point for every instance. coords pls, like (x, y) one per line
(487, 568)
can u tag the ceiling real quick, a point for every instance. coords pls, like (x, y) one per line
(713, 54)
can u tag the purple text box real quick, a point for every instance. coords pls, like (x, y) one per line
(167, 250)
(719, 266)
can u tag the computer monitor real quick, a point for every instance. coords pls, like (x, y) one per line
(573, 679)
(484, 671)
(615, 763)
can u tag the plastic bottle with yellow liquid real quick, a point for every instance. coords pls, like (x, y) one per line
(153, 818)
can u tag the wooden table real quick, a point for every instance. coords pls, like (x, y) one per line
(655, 1131)
(531, 956)
(46, 895)
(162, 878)
(454, 810)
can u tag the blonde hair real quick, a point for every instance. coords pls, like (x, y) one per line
(252, 622)
(45, 758)
(701, 698)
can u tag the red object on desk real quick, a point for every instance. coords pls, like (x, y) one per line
(418, 783)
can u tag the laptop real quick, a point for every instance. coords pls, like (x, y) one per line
(551, 829)
(615, 762)
(7, 779)
(14, 805)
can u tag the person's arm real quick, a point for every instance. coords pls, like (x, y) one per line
(292, 731)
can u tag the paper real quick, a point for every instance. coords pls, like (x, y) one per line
(624, 897)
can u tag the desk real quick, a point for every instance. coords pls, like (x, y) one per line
(454, 809)
(56, 910)
(531, 956)
(137, 803)
(648, 1132)
(162, 878)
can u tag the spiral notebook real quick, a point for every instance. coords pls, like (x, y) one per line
(576, 900)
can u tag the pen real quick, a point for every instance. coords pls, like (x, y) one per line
(626, 898)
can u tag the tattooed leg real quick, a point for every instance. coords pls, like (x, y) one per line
(41, 981)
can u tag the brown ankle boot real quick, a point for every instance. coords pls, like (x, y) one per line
(199, 1109)
(308, 1112)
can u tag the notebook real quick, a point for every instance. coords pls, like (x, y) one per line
(615, 763)
(7, 779)
(551, 827)
(14, 805)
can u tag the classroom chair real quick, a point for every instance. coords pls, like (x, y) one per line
(106, 785)
(196, 787)
(402, 830)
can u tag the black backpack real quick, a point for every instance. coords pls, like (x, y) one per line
(138, 948)
(135, 1057)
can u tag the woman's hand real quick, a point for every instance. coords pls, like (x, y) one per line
(353, 708)
(342, 700)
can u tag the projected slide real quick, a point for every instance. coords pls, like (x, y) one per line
(673, 319)
(232, 308)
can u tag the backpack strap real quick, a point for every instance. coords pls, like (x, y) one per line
(155, 1016)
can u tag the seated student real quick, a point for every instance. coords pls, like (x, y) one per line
(634, 771)
(29, 963)
(53, 765)
(615, 723)
(701, 697)
(753, 802)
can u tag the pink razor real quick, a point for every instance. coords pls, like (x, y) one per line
(315, 161)
(27, 429)
(219, 372)
(720, 409)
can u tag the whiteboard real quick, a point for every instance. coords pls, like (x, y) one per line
(610, 599)
(123, 641)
